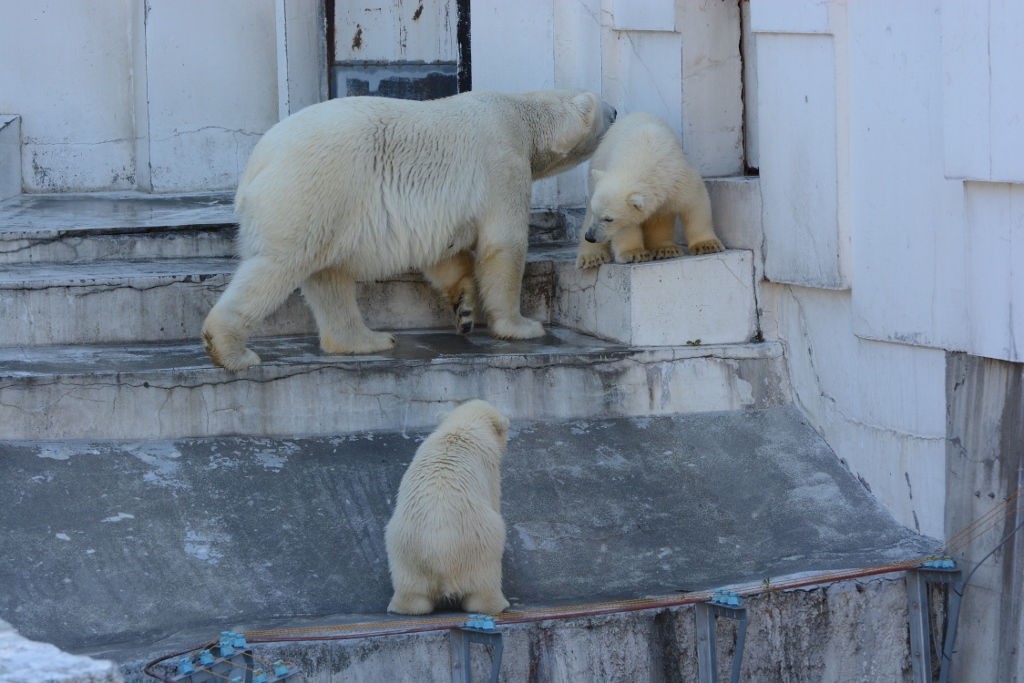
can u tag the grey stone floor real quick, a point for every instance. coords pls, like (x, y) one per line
(120, 546)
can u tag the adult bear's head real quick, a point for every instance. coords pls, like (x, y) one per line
(568, 125)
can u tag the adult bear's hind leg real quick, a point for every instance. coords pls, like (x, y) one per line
(331, 293)
(256, 290)
(454, 279)
(499, 270)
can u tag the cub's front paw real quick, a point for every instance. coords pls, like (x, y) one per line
(666, 252)
(634, 256)
(591, 260)
(706, 247)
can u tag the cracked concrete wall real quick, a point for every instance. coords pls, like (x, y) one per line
(212, 89)
(165, 96)
(68, 74)
(985, 460)
(880, 406)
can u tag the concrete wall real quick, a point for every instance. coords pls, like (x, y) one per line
(892, 218)
(161, 96)
(985, 457)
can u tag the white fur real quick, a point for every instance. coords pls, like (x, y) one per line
(364, 187)
(639, 182)
(446, 537)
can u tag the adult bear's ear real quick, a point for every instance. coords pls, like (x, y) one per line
(442, 416)
(596, 175)
(636, 200)
(586, 105)
(578, 119)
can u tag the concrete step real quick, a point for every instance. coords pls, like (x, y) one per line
(112, 544)
(115, 225)
(172, 390)
(63, 228)
(666, 302)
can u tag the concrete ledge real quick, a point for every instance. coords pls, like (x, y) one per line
(838, 633)
(169, 391)
(705, 299)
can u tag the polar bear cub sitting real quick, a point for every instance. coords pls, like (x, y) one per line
(639, 182)
(446, 537)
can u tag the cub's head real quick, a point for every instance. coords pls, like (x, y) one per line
(570, 125)
(477, 413)
(612, 208)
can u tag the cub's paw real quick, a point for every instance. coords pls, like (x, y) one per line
(591, 260)
(369, 342)
(634, 256)
(666, 252)
(478, 603)
(707, 247)
(410, 604)
(465, 313)
(515, 328)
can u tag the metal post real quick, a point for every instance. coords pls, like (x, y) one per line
(707, 654)
(460, 641)
(936, 571)
(920, 650)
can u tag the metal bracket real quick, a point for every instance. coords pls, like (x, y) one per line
(478, 630)
(939, 571)
(730, 606)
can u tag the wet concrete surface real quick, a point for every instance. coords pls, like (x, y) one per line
(129, 543)
(114, 211)
(414, 346)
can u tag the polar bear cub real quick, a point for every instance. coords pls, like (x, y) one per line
(446, 537)
(639, 182)
(362, 188)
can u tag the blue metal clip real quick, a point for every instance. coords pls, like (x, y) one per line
(280, 668)
(185, 667)
(727, 598)
(258, 676)
(225, 647)
(481, 622)
(939, 563)
(206, 657)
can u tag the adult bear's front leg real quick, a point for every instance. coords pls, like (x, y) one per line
(499, 271)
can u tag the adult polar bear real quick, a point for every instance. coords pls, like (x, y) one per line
(364, 187)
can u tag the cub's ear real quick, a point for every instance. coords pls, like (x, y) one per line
(596, 175)
(442, 416)
(501, 423)
(636, 200)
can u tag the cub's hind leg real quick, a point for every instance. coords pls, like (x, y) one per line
(453, 277)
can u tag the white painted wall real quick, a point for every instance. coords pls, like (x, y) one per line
(212, 84)
(157, 95)
(66, 68)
